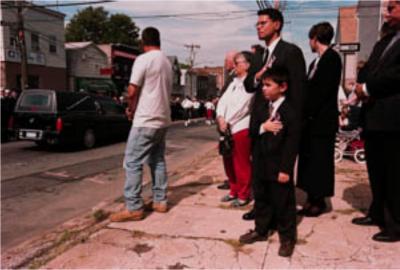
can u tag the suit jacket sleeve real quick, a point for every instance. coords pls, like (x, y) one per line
(296, 66)
(384, 81)
(255, 66)
(255, 118)
(291, 144)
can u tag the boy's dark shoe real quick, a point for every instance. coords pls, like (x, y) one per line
(384, 236)
(224, 185)
(251, 215)
(252, 236)
(364, 221)
(286, 249)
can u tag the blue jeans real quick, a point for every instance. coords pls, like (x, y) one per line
(145, 145)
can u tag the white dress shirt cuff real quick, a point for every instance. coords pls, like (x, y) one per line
(365, 90)
(262, 130)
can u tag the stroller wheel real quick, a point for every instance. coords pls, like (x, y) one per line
(359, 156)
(338, 155)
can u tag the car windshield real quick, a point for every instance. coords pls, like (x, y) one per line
(35, 102)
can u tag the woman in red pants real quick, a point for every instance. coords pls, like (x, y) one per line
(233, 111)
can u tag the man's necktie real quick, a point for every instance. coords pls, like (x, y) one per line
(314, 68)
(270, 109)
(265, 56)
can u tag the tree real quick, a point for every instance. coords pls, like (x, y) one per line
(95, 24)
(121, 29)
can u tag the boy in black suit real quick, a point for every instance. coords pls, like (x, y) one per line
(275, 133)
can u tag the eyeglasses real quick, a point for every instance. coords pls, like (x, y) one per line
(391, 7)
(262, 23)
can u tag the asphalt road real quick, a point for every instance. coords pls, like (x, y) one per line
(41, 189)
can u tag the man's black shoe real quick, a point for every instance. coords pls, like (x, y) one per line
(251, 215)
(224, 185)
(251, 237)
(383, 236)
(364, 221)
(286, 249)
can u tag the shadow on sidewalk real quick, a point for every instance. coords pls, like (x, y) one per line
(358, 196)
(178, 193)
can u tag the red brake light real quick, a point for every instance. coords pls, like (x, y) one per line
(59, 124)
(11, 122)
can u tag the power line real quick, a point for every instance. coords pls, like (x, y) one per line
(8, 4)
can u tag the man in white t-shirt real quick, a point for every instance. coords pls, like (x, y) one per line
(149, 106)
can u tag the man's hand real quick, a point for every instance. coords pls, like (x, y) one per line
(222, 125)
(260, 73)
(358, 90)
(129, 114)
(272, 126)
(283, 178)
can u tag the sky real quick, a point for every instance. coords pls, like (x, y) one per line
(218, 26)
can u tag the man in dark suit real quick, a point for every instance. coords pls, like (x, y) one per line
(277, 53)
(379, 86)
(316, 167)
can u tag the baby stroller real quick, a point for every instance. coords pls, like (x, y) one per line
(349, 143)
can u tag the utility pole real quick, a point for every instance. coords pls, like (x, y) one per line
(192, 56)
(22, 45)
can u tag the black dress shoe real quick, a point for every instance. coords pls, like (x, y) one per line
(384, 236)
(224, 185)
(364, 221)
(251, 237)
(314, 211)
(286, 249)
(251, 215)
(303, 210)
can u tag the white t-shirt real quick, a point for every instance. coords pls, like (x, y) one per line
(209, 105)
(187, 104)
(196, 105)
(152, 72)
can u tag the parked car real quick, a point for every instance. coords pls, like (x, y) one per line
(50, 117)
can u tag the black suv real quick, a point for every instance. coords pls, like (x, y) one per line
(58, 117)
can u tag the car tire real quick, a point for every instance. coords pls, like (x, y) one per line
(89, 138)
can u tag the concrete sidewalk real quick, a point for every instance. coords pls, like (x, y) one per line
(201, 232)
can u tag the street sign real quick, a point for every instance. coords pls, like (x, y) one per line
(349, 47)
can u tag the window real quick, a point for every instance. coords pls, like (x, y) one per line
(35, 42)
(13, 37)
(52, 44)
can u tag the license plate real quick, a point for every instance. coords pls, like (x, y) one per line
(32, 135)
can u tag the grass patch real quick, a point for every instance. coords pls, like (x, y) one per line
(348, 211)
(100, 215)
(119, 199)
(301, 241)
(178, 265)
(138, 234)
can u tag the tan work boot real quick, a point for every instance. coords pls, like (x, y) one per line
(160, 207)
(127, 215)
